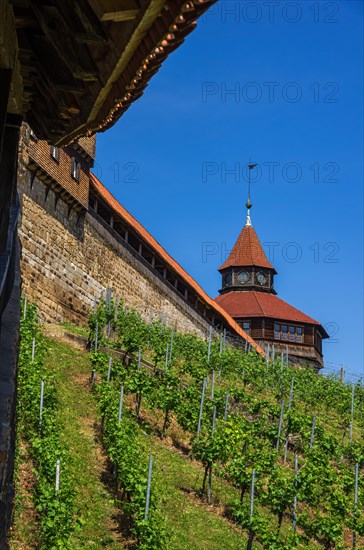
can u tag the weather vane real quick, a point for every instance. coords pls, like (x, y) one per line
(249, 204)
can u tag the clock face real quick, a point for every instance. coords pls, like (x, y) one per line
(261, 278)
(227, 279)
(243, 277)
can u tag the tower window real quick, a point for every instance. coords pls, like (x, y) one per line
(291, 333)
(75, 169)
(55, 153)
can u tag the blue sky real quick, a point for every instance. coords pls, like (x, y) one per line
(280, 84)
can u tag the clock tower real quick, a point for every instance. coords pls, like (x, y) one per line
(247, 268)
(248, 295)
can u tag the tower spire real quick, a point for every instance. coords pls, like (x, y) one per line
(249, 204)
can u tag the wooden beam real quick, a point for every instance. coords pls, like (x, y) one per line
(74, 55)
(116, 10)
(5, 83)
(8, 175)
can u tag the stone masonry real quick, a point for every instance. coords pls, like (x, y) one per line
(66, 263)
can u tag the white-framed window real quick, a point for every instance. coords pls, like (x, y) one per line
(75, 169)
(55, 153)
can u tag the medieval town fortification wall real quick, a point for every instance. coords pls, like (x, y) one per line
(66, 262)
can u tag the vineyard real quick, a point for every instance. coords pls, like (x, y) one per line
(275, 453)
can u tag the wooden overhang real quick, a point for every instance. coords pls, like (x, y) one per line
(78, 66)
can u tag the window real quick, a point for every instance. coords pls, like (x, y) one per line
(291, 333)
(76, 168)
(245, 325)
(55, 153)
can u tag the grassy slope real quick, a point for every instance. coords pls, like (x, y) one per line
(192, 524)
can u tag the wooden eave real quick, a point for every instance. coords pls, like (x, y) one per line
(80, 65)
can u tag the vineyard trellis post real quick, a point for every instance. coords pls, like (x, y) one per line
(342, 374)
(355, 503)
(121, 404)
(147, 500)
(352, 413)
(109, 370)
(213, 384)
(171, 346)
(226, 406)
(33, 349)
(251, 511)
(288, 409)
(25, 307)
(204, 384)
(96, 336)
(209, 481)
(209, 345)
(280, 426)
(294, 525)
(167, 355)
(58, 474)
(41, 402)
(313, 430)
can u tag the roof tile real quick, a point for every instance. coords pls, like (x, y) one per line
(262, 304)
(247, 251)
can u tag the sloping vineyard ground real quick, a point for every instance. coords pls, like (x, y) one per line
(175, 442)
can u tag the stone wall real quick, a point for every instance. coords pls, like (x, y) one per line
(65, 264)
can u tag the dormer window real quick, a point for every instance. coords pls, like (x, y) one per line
(55, 153)
(75, 169)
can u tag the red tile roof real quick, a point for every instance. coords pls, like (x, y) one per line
(148, 238)
(247, 251)
(245, 304)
